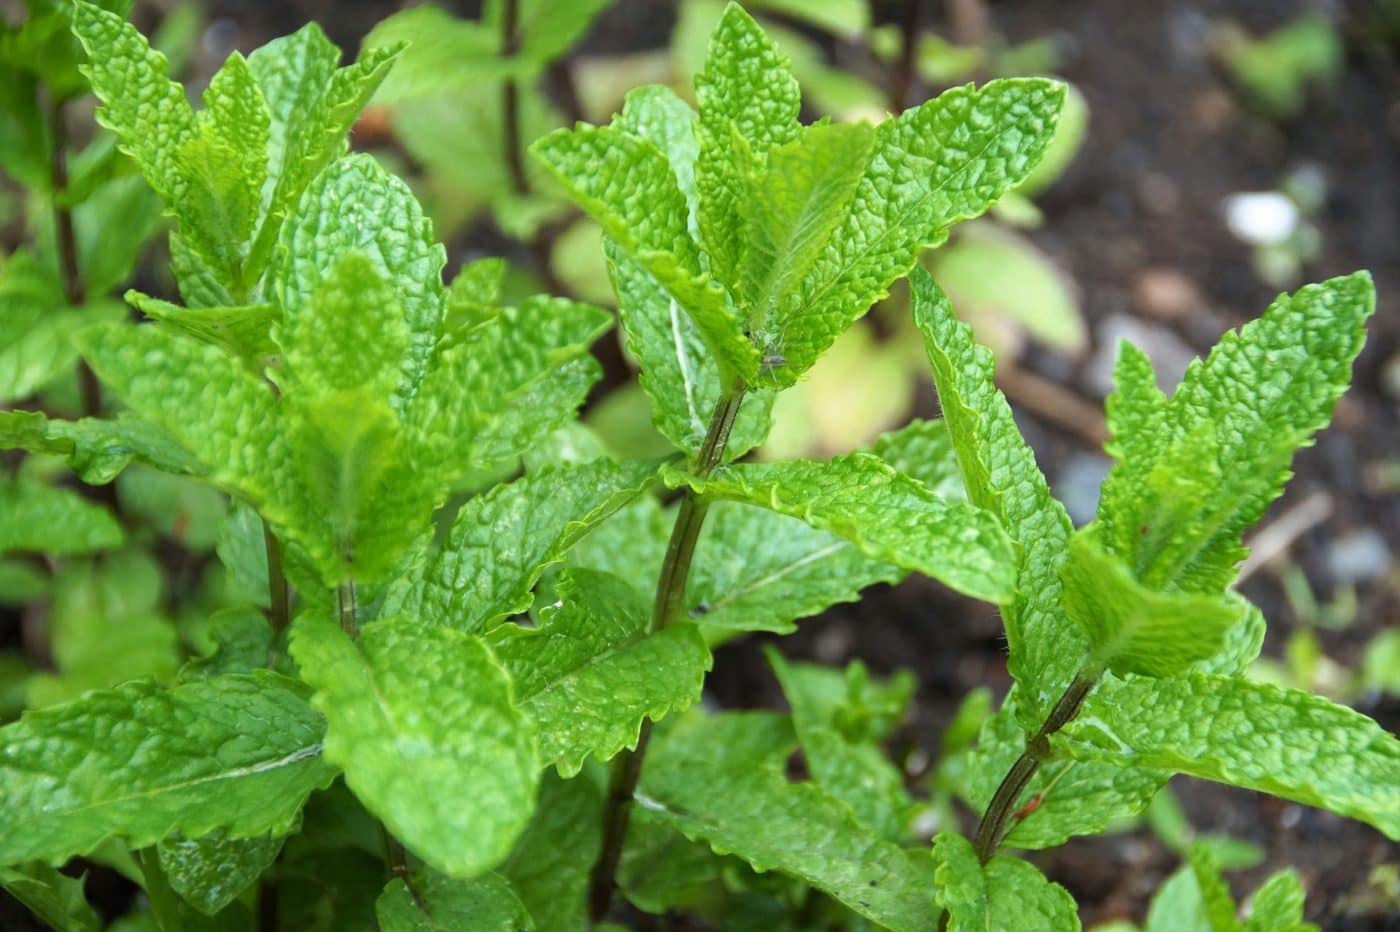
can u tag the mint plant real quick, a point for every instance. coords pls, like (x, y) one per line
(452, 681)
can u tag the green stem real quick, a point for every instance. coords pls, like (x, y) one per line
(278, 597)
(66, 245)
(996, 821)
(668, 606)
(510, 102)
(345, 597)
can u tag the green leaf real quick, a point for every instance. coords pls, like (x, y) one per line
(1000, 474)
(990, 272)
(790, 210)
(453, 779)
(678, 374)
(237, 752)
(1133, 629)
(887, 515)
(53, 897)
(502, 541)
(841, 760)
(497, 389)
(719, 778)
(1194, 472)
(550, 865)
(351, 334)
(46, 519)
(357, 206)
(97, 450)
(658, 114)
(1177, 905)
(1005, 894)
(36, 325)
(1281, 741)
(148, 111)
(313, 105)
(445, 56)
(1277, 906)
(758, 570)
(240, 437)
(25, 140)
(1216, 900)
(923, 450)
(944, 161)
(211, 871)
(589, 672)
(244, 331)
(749, 103)
(624, 182)
(546, 28)
(242, 638)
(428, 901)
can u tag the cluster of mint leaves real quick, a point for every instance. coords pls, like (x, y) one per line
(440, 665)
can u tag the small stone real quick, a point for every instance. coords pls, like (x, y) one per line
(1262, 218)
(1165, 294)
(1358, 556)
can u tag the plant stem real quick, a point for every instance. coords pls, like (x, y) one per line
(995, 822)
(278, 599)
(345, 596)
(66, 245)
(669, 604)
(510, 101)
(908, 52)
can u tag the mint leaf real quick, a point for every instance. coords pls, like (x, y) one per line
(211, 871)
(589, 672)
(945, 161)
(549, 867)
(349, 336)
(47, 519)
(749, 103)
(357, 206)
(1006, 893)
(547, 28)
(658, 114)
(840, 758)
(1218, 904)
(888, 516)
(1281, 741)
(1278, 905)
(453, 780)
(1194, 472)
(502, 541)
(96, 449)
(244, 330)
(679, 376)
(428, 901)
(238, 752)
(758, 570)
(444, 55)
(1134, 629)
(1000, 474)
(624, 182)
(148, 111)
(923, 450)
(55, 898)
(497, 388)
(719, 778)
(791, 209)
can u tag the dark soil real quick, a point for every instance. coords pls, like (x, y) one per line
(1168, 140)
